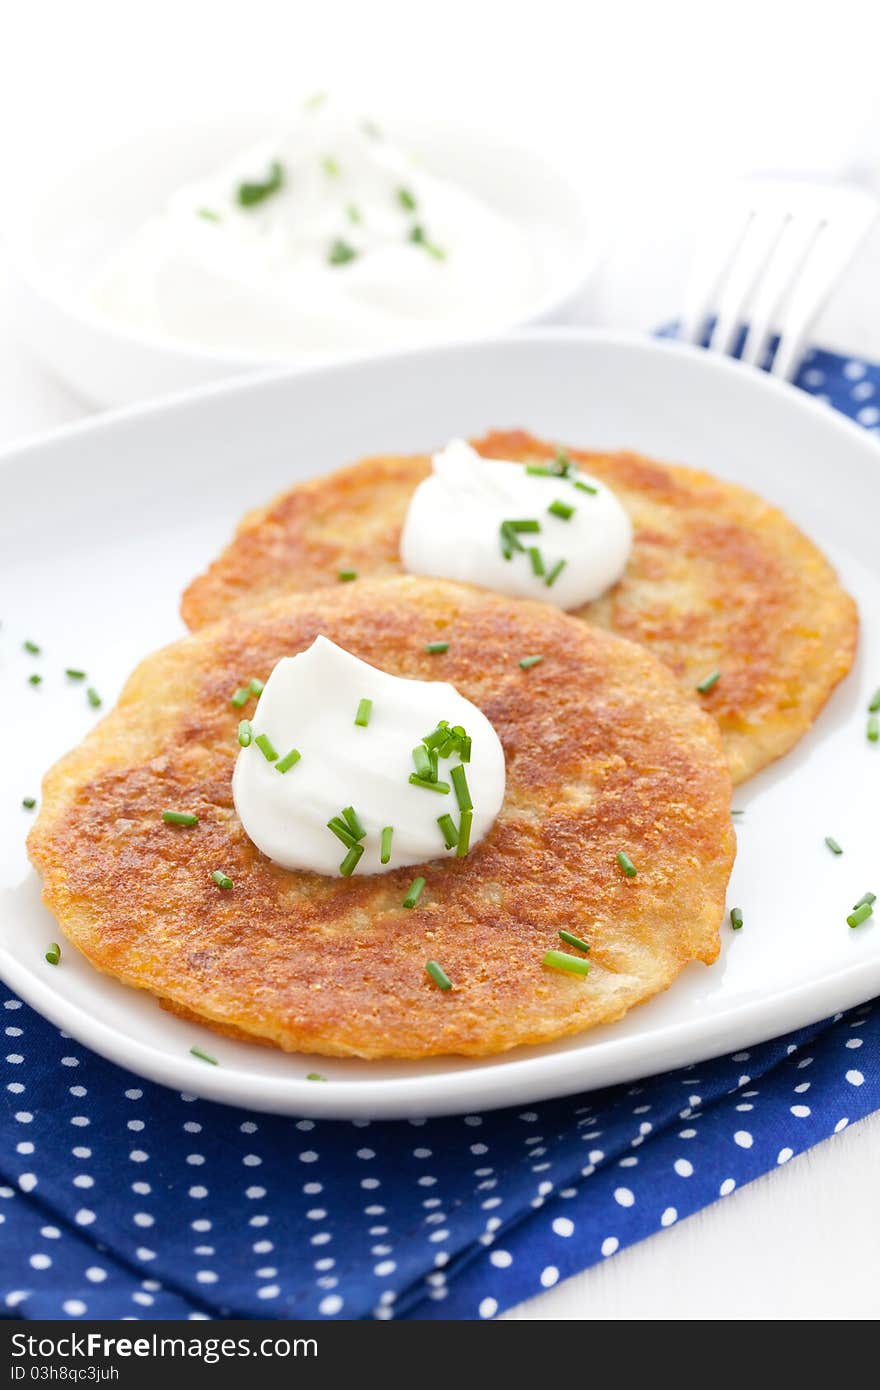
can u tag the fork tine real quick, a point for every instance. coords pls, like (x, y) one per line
(716, 250)
(786, 263)
(762, 237)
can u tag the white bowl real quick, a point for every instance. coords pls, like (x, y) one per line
(82, 219)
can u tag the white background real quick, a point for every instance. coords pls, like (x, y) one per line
(647, 104)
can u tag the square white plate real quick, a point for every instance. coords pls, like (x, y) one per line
(103, 524)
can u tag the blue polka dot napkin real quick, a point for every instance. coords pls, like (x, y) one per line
(121, 1199)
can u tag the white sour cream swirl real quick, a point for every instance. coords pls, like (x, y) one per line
(309, 703)
(453, 529)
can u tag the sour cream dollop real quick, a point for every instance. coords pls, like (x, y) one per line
(327, 238)
(453, 529)
(310, 703)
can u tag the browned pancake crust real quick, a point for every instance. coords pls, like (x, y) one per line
(718, 579)
(603, 754)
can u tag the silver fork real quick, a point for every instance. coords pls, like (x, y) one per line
(770, 255)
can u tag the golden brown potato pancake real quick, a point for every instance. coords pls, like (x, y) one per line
(603, 755)
(718, 580)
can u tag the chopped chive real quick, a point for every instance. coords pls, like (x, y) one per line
(340, 253)
(708, 682)
(450, 834)
(873, 730)
(561, 960)
(241, 697)
(464, 833)
(204, 1056)
(406, 199)
(874, 703)
(418, 781)
(341, 831)
(28, 802)
(434, 757)
(561, 509)
(571, 940)
(93, 697)
(364, 710)
(179, 818)
(315, 1076)
(209, 214)
(249, 194)
(869, 898)
(424, 766)
(288, 761)
(833, 845)
(354, 213)
(529, 524)
(35, 679)
(266, 747)
(736, 918)
(435, 647)
(626, 863)
(438, 975)
(555, 573)
(255, 686)
(540, 470)
(562, 462)
(585, 487)
(245, 733)
(349, 863)
(32, 647)
(509, 539)
(385, 844)
(418, 236)
(73, 674)
(860, 914)
(349, 815)
(527, 662)
(737, 813)
(415, 892)
(464, 749)
(346, 576)
(536, 559)
(222, 880)
(462, 791)
(53, 955)
(331, 166)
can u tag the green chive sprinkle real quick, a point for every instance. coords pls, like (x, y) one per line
(415, 892)
(73, 674)
(349, 863)
(418, 236)
(833, 845)
(736, 918)
(204, 1056)
(537, 560)
(873, 730)
(354, 214)
(315, 1076)
(737, 813)
(28, 802)
(464, 833)
(874, 704)
(555, 573)
(527, 662)
(32, 648)
(349, 815)
(241, 697)
(562, 462)
(529, 524)
(341, 253)
(346, 576)
(288, 761)
(869, 898)
(860, 915)
(209, 214)
(406, 199)
(341, 831)
(222, 880)
(385, 844)
(585, 487)
(571, 940)
(35, 679)
(53, 955)
(437, 736)
(255, 686)
(706, 685)
(539, 470)
(330, 166)
(93, 697)
(462, 791)
(626, 864)
(249, 194)
(179, 818)
(438, 975)
(245, 733)
(266, 747)
(561, 509)
(433, 648)
(418, 781)
(464, 749)
(364, 710)
(450, 834)
(424, 766)
(561, 960)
